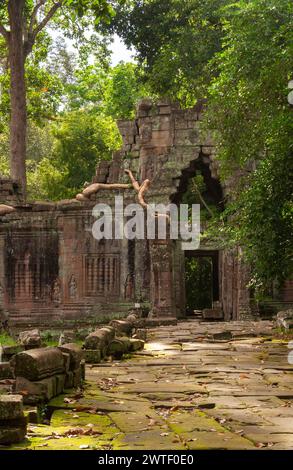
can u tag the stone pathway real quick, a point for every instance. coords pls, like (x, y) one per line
(195, 386)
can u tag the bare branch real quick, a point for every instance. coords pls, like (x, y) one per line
(28, 46)
(46, 19)
(202, 199)
(34, 15)
(4, 32)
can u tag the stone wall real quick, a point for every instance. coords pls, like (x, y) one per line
(52, 270)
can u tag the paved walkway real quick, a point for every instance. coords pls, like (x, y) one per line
(195, 386)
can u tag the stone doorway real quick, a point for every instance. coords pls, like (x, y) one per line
(201, 279)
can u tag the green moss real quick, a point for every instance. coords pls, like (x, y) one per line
(7, 340)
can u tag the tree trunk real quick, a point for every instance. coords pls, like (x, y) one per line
(18, 120)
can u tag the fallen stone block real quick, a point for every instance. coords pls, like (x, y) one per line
(12, 420)
(60, 383)
(82, 368)
(99, 339)
(119, 346)
(6, 371)
(136, 344)
(285, 319)
(34, 416)
(110, 330)
(30, 339)
(38, 391)
(12, 435)
(68, 380)
(11, 407)
(132, 319)
(140, 333)
(66, 358)
(74, 352)
(77, 378)
(36, 364)
(92, 356)
(212, 314)
(122, 327)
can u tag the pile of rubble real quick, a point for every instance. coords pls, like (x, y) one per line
(43, 373)
(119, 338)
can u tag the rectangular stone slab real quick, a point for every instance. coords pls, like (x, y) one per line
(37, 364)
(11, 407)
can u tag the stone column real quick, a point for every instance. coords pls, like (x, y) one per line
(162, 295)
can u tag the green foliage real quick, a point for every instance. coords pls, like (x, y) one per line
(174, 41)
(6, 339)
(82, 139)
(123, 90)
(198, 279)
(248, 108)
(240, 56)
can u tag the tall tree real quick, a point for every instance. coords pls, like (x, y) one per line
(21, 21)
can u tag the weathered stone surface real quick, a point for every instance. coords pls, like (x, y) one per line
(92, 356)
(6, 371)
(122, 327)
(12, 435)
(136, 344)
(77, 378)
(68, 380)
(285, 319)
(212, 314)
(110, 330)
(119, 346)
(82, 368)
(30, 339)
(99, 339)
(74, 352)
(60, 383)
(132, 319)
(66, 359)
(9, 351)
(140, 333)
(36, 364)
(11, 407)
(38, 391)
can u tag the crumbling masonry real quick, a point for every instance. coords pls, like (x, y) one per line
(53, 271)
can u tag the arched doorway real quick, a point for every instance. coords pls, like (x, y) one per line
(201, 266)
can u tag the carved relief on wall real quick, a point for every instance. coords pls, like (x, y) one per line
(72, 288)
(102, 274)
(56, 291)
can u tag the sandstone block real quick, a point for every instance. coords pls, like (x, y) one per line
(74, 352)
(60, 383)
(212, 314)
(136, 344)
(122, 327)
(99, 339)
(92, 356)
(119, 346)
(11, 407)
(12, 435)
(36, 364)
(6, 371)
(36, 392)
(285, 319)
(30, 339)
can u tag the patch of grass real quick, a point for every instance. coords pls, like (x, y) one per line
(7, 340)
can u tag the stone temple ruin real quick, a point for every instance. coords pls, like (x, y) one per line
(54, 273)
